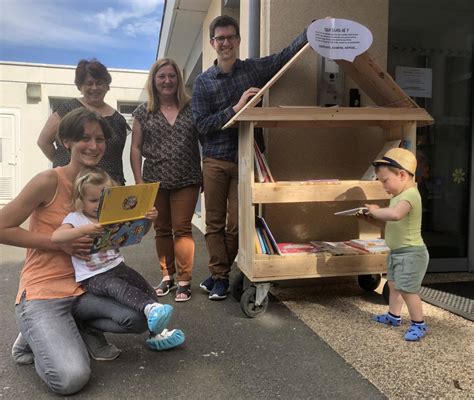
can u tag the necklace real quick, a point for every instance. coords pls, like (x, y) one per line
(167, 107)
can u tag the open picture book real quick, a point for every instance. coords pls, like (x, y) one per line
(122, 212)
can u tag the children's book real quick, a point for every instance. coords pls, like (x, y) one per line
(353, 211)
(369, 245)
(298, 249)
(122, 212)
(336, 248)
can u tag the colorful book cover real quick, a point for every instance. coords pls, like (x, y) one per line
(124, 203)
(296, 249)
(122, 212)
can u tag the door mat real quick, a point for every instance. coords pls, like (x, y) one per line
(455, 297)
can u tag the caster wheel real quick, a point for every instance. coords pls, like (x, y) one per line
(369, 282)
(386, 292)
(247, 303)
(237, 287)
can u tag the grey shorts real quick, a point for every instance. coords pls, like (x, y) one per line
(407, 267)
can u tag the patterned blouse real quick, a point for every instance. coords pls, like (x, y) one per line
(171, 152)
(112, 160)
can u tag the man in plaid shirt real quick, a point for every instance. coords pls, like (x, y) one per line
(219, 93)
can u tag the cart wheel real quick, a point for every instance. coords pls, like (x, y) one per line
(237, 287)
(369, 282)
(386, 292)
(247, 303)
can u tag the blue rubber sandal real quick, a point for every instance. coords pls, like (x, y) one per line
(159, 317)
(166, 340)
(387, 319)
(416, 332)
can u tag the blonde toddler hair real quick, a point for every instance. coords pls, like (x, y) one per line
(89, 176)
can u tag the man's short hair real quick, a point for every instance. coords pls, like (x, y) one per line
(223, 21)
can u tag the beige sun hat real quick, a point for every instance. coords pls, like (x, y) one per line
(398, 158)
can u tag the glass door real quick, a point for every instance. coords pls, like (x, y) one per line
(436, 54)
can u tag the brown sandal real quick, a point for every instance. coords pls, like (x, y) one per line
(183, 293)
(164, 287)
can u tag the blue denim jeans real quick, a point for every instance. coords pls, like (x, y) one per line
(49, 327)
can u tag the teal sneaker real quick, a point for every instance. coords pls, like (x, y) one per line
(387, 319)
(159, 317)
(166, 340)
(416, 332)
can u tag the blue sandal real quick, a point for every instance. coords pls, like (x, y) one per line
(387, 319)
(416, 332)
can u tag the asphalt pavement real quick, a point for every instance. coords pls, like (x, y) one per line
(226, 354)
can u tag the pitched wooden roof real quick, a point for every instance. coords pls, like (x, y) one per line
(372, 79)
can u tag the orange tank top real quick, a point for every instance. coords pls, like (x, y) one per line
(48, 274)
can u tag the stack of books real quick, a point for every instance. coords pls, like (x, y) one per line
(262, 170)
(297, 249)
(337, 248)
(264, 241)
(369, 245)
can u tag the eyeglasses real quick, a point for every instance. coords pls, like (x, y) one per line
(162, 77)
(221, 39)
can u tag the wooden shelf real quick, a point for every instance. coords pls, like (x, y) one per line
(299, 192)
(334, 117)
(267, 268)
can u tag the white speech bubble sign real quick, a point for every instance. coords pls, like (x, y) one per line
(339, 39)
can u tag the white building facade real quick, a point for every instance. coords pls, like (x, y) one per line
(28, 93)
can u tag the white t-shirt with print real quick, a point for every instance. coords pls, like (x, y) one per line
(99, 262)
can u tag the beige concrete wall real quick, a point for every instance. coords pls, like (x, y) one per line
(208, 54)
(58, 82)
(215, 9)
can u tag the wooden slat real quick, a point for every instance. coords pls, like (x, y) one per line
(291, 192)
(334, 115)
(268, 268)
(376, 82)
(255, 99)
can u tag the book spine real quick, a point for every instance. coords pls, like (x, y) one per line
(271, 238)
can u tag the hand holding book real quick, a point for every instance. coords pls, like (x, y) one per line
(353, 212)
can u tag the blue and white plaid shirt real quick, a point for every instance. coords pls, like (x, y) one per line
(215, 93)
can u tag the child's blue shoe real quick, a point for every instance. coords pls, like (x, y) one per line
(166, 340)
(416, 332)
(387, 319)
(159, 317)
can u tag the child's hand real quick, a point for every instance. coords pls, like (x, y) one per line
(151, 214)
(371, 208)
(92, 229)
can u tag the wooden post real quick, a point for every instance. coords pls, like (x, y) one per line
(246, 254)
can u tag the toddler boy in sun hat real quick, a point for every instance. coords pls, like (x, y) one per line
(408, 259)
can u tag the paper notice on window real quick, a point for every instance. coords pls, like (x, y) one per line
(415, 82)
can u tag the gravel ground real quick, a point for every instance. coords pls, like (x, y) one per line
(439, 366)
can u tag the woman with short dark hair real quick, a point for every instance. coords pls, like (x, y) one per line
(60, 324)
(93, 81)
